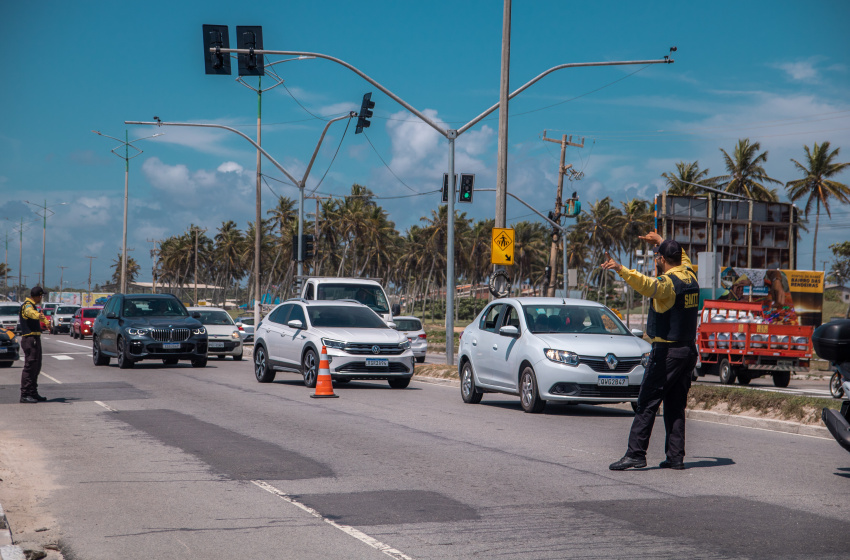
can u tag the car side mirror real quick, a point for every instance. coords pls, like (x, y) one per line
(391, 325)
(509, 330)
(295, 324)
(112, 315)
(196, 315)
(638, 333)
(239, 324)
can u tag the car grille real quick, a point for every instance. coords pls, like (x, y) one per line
(360, 367)
(170, 335)
(590, 390)
(362, 349)
(599, 364)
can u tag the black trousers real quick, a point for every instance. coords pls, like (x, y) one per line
(667, 380)
(32, 365)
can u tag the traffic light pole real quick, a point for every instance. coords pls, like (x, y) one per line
(451, 136)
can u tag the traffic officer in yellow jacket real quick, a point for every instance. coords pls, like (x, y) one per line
(672, 325)
(30, 320)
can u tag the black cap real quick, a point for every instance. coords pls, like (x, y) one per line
(670, 250)
(37, 291)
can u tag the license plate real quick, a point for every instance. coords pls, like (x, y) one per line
(171, 346)
(377, 362)
(4, 350)
(216, 345)
(612, 381)
(785, 363)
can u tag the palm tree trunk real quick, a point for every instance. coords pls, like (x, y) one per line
(815, 245)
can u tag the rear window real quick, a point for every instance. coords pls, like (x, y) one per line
(67, 310)
(344, 317)
(9, 309)
(408, 324)
(215, 318)
(90, 313)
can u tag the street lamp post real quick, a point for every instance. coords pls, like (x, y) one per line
(45, 208)
(127, 144)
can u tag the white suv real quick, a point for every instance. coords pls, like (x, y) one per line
(359, 343)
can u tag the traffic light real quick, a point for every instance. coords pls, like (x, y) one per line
(365, 113)
(250, 37)
(308, 247)
(467, 182)
(445, 189)
(295, 248)
(217, 37)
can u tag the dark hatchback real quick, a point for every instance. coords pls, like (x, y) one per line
(9, 347)
(135, 327)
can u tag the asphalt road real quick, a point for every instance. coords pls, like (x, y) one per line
(177, 462)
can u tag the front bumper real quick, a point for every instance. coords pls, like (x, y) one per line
(10, 353)
(142, 348)
(560, 382)
(229, 347)
(348, 366)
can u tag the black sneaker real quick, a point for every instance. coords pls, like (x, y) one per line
(28, 400)
(39, 398)
(675, 465)
(628, 463)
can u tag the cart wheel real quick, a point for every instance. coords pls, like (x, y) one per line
(725, 371)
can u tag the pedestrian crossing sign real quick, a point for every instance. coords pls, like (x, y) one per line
(502, 246)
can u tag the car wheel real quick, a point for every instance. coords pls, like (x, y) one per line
(82, 336)
(420, 359)
(781, 379)
(725, 372)
(220, 357)
(97, 356)
(170, 361)
(73, 334)
(400, 383)
(124, 361)
(468, 391)
(6, 364)
(310, 367)
(836, 389)
(199, 362)
(634, 407)
(237, 357)
(529, 395)
(262, 371)
(744, 377)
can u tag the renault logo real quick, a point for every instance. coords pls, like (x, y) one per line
(376, 349)
(612, 361)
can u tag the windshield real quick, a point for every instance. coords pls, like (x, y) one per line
(9, 309)
(67, 310)
(572, 319)
(344, 317)
(90, 313)
(215, 318)
(153, 307)
(367, 294)
(408, 324)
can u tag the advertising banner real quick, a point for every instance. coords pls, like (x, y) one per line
(65, 298)
(790, 297)
(95, 298)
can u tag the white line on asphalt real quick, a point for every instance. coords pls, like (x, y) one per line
(73, 344)
(51, 378)
(106, 406)
(61, 357)
(359, 535)
(755, 428)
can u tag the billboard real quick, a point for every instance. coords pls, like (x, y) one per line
(94, 298)
(64, 298)
(788, 297)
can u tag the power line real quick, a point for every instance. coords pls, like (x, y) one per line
(385, 163)
(334, 158)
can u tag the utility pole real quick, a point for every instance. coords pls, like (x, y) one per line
(153, 263)
(562, 170)
(90, 261)
(197, 232)
(61, 281)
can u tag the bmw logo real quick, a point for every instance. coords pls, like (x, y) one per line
(612, 361)
(376, 349)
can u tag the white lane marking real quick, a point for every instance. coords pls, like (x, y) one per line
(72, 343)
(51, 378)
(351, 531)
(106, 406)
(61, 357)
(67, 354)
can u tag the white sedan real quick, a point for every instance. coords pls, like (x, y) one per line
(222, 333)
(551, 349)
(412, 328)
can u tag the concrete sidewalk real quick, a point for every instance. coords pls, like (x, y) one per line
(8, 551)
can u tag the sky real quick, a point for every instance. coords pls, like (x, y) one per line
(775, 72)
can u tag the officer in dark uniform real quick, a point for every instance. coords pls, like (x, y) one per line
(672, 325)
(30, 320)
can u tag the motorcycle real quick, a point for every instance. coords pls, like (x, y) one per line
(836, 383)
(832, 342)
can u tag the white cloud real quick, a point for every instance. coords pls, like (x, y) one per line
(802, 71)
(229, 167)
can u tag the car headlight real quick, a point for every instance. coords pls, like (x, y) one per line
(562, 356)
(200, 330)
(644, 359)
(87, 322)
(137, 332)
(234, 334)
(405, 345)
(330, 343)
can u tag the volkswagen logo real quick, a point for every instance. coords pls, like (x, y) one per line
(376, 349)
(612, 361)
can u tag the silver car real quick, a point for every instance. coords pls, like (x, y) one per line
(222, 334)
(412, 328)
(9, 312)
(551, 349)
(360, 345)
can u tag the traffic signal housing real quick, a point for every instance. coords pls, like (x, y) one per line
(250, 37)
(365, 113)
(308, 243)
(216, 36)
(445, 189)
(467, 183)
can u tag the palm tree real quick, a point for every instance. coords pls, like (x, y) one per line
(637, 220)
(686, 178)
(227, 240)
(745, 174)
(816, 184)
(604, 225)
(132, 269)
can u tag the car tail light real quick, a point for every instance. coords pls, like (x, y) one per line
(240, 327)
(423, 335)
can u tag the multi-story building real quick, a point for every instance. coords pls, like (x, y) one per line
(749, 234)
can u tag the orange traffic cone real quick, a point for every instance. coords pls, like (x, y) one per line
(324, 384)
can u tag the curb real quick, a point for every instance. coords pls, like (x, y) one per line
(8, 551)
(772, 425)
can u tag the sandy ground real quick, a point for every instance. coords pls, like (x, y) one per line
(24, 491)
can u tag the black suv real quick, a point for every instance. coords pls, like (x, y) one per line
(9, 347)
(134, 327)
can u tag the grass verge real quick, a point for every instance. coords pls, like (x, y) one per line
(442, 371)
(766, 404)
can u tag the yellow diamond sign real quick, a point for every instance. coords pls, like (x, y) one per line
(502, 246)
